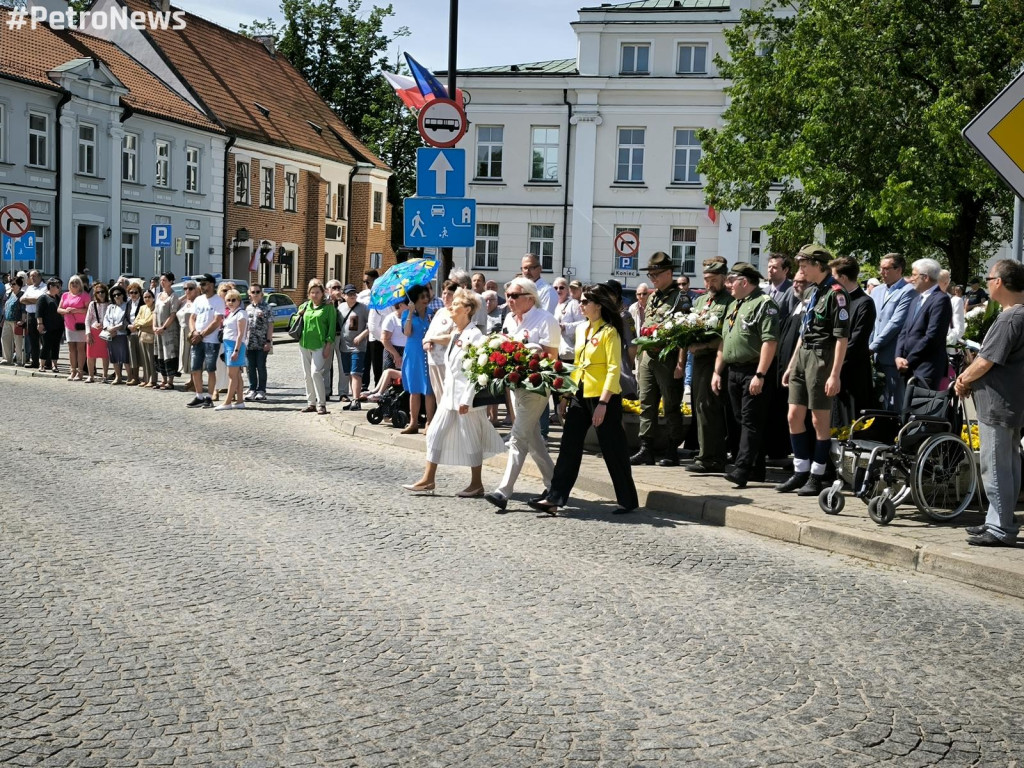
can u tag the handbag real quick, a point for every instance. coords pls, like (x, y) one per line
(79, 326)
(296, 324)
(105, 335)
(486, 397)
(19, 328)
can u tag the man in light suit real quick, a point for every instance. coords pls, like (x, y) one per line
(921, 345)
(892, 305)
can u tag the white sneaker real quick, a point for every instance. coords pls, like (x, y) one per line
(260, 397)
(225, 407)
(686, 391)
(239, 406)
(249, 395)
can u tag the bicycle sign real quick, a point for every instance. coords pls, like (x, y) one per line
(442, 123)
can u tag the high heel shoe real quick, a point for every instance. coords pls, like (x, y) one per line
(543, 506)
(417, 488)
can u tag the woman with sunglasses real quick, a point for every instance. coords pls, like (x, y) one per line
(143, 329)
(259, 342)
(74, 305)
(165, 329)
(131, 310)
(95, 347)
(233, 335)
(184, 316)
(117, 331)
(316, 346)
(596, 403)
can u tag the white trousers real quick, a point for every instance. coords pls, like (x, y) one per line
(526, 438)
(314, 365)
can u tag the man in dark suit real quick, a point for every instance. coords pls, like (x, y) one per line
(857, 393)
(921, 346)
(779, 283)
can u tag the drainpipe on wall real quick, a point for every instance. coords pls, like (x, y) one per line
(568, 165)
(56, 197)
(228, 200)
(348, 225)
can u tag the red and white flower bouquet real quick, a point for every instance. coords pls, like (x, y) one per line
(500, 363)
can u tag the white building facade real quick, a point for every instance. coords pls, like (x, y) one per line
(565, 155)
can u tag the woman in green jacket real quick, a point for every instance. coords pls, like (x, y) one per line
(319, 324)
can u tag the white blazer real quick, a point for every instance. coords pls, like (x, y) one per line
(458, 389)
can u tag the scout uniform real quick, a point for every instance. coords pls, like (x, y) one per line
(656, 381)
(749, 323)
(827, 318)
(708, 408)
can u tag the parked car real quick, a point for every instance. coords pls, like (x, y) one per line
(240, 285)
(283, 308)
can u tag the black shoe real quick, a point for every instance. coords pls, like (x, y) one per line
(542, 497)
(813, 486)
(497, 500)
(975, 530)
(643, 456)
(624, 511)
(196, 402)
(355, 406)
(543, 505)
(796, 481)
(758, 476)
(988, 540)
(704, 469)
(207, 403)
(737, 477)
(669, 461)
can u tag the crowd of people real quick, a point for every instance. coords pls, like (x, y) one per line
(795, 353)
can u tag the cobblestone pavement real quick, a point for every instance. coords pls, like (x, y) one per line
(197, 588)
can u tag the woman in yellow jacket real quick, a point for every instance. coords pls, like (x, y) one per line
(597, 402)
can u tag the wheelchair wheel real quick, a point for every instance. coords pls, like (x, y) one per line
(944, 479)
(882, 510)
(400, 419)
(375, 415)
(831, 502)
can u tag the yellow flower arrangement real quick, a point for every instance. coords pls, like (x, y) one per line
(633, 406)
(975, 440)
(843, 433)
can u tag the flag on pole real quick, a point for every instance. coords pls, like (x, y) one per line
(430, 86)
(712, 214)
(408, 91)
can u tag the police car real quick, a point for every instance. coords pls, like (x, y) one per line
(283, 308)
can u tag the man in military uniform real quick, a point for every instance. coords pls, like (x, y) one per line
(813, 372)
(749, 337)
(660, 380)
(708, 408)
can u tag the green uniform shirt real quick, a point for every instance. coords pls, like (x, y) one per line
(661, 305)
(748, 324)
(716, 305)
(829, 317)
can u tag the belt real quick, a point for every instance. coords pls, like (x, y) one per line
(743, 367)
(814, 345)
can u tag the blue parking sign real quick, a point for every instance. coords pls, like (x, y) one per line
(161, 236)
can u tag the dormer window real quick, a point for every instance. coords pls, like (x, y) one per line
(263, 110)
(315, 127)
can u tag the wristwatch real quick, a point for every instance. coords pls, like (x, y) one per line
(759, 375)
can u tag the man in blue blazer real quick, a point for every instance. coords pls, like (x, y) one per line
(921, 346)
(892, 305)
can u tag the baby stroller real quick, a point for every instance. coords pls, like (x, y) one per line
(917, 453)
(394, 405)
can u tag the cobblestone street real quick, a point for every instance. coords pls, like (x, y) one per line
(189, 587)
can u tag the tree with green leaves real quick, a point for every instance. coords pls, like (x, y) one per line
(341, 51)
(848, 113)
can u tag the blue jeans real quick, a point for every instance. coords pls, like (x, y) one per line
(688, 375)
(1000, 472)
(256, 368)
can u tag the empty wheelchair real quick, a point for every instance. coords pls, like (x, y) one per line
(394, 405)
(916, 454)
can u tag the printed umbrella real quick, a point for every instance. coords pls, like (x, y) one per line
(390, 288)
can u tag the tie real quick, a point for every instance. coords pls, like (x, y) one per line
(809, 312)
(732, 317)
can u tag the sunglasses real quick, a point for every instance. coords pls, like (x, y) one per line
(513, 295)
(561, 288)
(584, 302)
(232, 301)
(256, 290)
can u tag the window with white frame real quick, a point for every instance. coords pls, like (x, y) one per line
(86, 149)
(692, 59)
(191, 246)
(130, 157)
(755, 248)
(291, 191)
(341, 203)
(489, 140)
(376, 260)
(684, 250)
(635, 59)
(629, 166)
(191, 172)
(163, 164)
(3, 131)
(686, 157)
(242, 182)
(542, 244)
(378, 207)
(486, 256)
(129, 250)
(328, 210)
(267, 188)
(266, 276)
(544, 153)
(286, 269)
(38, 139)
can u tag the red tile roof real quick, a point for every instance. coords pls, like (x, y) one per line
(231, 73)
(29, 54)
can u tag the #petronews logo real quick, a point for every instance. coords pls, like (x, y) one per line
(115, 17)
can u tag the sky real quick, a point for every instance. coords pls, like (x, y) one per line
(491, 32)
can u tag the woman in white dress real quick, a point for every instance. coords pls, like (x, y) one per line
(460, 435)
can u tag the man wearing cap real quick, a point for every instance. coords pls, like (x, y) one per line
(208, 311)
(813, 372)
(976, 296)
(749, 338)
(660, 380)
(353, 333)
(708, 407)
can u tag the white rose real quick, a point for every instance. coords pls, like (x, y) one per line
(668, 324)
(467, 365)
(483, 380)
(495, 342)
(482, 359)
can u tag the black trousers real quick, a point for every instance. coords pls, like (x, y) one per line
(751, 411)
(614, 449)
(49, 347)
(374, 361)
(33, 340)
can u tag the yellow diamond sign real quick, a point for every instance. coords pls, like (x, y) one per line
(998, 134)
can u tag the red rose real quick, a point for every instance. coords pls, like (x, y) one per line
(536, 379)
(514, 378)
(499, 372)
(521, 370)
(508, 346)
(558, 382)
(498, 358)
(558, 366)
(535, 364)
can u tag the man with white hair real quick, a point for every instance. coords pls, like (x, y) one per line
(921, 346)
(569, 316)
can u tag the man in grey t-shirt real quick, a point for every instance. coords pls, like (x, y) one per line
(352, 338)
(995, 378)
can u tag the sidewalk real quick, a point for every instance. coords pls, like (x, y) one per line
(910, 541)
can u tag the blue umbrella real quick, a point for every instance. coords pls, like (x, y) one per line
(390, 288)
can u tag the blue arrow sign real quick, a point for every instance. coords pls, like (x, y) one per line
(440, 172)
(161, 237)
(21, 248)
(440, 222)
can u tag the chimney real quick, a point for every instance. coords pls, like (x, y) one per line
(269, 42)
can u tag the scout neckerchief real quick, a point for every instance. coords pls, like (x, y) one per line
(809, 312)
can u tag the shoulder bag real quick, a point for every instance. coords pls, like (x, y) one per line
(296, 324)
